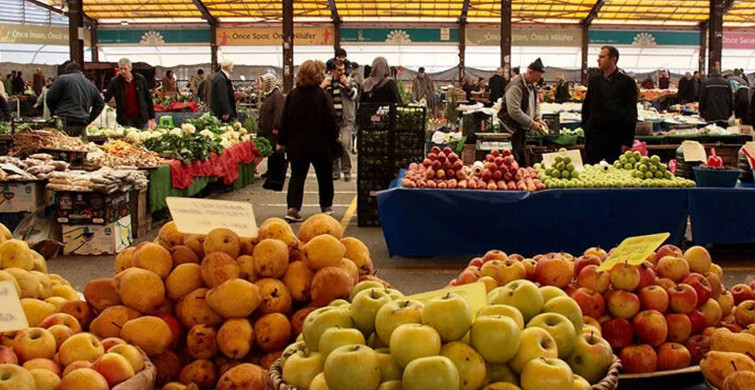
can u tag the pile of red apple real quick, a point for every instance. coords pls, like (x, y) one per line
(499, 171)
(654, 315)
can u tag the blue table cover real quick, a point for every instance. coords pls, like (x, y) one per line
(723, 215)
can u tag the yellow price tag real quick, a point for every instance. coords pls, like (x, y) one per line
(12, 316)
(634, 250)
(474, 293)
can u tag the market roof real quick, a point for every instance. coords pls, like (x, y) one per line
(689, 13)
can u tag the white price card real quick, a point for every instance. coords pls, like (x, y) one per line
(200, 216)
(12, 316)
(750, 147)
(693, 151)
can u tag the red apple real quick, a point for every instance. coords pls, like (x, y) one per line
(477, 262)
(647, 275)
(741, 292)
(712, 312)
(679, 327)
(697, 319)
(596, 251)
(494, 254)
(654, 298)
(701, 286)
(665, 283)
(638, 359)
(469, 275)
(583, 261)
(674, 268)
(667, 250)
(650, 327)
(531, 267)
(732, 326)
(682, 298)
(7, 356)
(435, 150)
(553, 271)
(751, 284)
(697, 346)
(673, 356)
(175, 327)
(593, 279)
(625, 276)
(618, 332)
(623, 304)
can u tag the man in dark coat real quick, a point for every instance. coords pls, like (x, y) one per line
(19, 85)
(696, 84)
(685, 89)
(223, 101)
(133, 101)
(496, 85)
(75, 99)
(716, 98)
(609, 111)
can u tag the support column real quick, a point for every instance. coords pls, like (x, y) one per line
(336, 35)
(506, 40)
(213, 48)
(462, 50)
(288, 45)
(75, 21)
(715, 33)
(94, 28)
(703, 48)
(585, 48)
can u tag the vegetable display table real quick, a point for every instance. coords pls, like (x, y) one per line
(722, 215)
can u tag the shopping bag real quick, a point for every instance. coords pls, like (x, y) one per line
(276, 167)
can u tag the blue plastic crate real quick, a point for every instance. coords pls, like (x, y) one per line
(726, 177)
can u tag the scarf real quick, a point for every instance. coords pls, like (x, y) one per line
(269, 82)
(379, 75)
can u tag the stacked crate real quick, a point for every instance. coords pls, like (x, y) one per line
(390, 138)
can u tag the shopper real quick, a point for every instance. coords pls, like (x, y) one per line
(342, 56)
(742, 103)
(496, 85)
(41, 99)
(697, 84)
(648, 83)
(685, 89)
(18, 84)
(75, 99)
(339, 89)
(222, 99)
(520, 110)
(481, 86)
(192, 85)
(8, 84)
(308, 132)
(5, 115)
(562, 93)
(664, 81)
(269, 127)
(169, 84)
(515, 72)
(716, 99)
(133, 100)
(202, 87)
(751, 111)
(38, 82)
(422, 87)
(380, 87)
(609, 111)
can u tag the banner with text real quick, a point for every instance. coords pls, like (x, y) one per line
(644, 38)
(273, 36)
(491, 36)
(400, 36)
(739, 40)
(153, 37)
(35, 35)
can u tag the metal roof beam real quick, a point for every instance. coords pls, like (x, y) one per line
(334, 12)
(205, 12)
(593, 12)
(464, 12)
(57, 10)
(728, 5)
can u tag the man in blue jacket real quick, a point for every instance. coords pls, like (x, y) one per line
(76, 100)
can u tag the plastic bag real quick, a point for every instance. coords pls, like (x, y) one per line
(41, 233)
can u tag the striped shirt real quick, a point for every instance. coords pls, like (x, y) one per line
(338, 92)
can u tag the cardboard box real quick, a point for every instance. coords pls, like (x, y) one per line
(90, 208)
(27, 196)
(106, 239)
(144, 226)
(138, 211)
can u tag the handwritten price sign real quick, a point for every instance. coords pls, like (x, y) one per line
(634, 250)
(199, 216)
(12, 316)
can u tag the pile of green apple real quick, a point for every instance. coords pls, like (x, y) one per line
(607, 176)
(525, 338)
(562, 168)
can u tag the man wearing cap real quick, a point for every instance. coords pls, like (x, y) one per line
(422, 87)
(609, 111)
(520, 110)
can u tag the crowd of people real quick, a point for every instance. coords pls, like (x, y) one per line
(14, 84)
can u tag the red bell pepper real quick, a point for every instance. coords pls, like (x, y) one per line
(715, 161)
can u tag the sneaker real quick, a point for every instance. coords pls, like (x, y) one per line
(293, 216)
(326, 210)
(336, 176)
(346, 176)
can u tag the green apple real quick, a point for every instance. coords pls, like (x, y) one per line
(503, 310)
(547, 374)
(431, 372)
(292, 349)
(340, 303)
(501, 386)
(587, 328)
(391, 385)
(502, 373)
(469, 363)
(522, 294)
(560, 328)
(496, 338)
(396, 313)
(450, 314)
(534, 343)
(550, 292)
(412, 341)
(319, 382)
(352, 367)
(581, 383)
(365, 285)
(301, 369)
(336, 337)
(374, 342)
(365, 306)
(568, 308)
(318, 321)
(394, 294)
(389, 370)
(591, 357)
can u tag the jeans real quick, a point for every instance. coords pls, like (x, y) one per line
(344, 163)
(136, 123)
(299, 170)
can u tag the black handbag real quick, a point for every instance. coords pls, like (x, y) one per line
(277, 165)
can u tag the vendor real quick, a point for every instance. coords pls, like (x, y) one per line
(609, 111)
(133, 101)
(520, 110)
(75, 99)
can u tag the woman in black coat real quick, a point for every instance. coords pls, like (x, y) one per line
(308, 132)
(380, 87)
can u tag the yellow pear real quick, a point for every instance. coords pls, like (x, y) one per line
(716, 366)
(235, 298)
(323, 251)
(36, 310)
(320, 224)
(16, 253)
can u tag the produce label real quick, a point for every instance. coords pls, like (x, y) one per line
(199, 216)
(693, 151)
(634, 250)
(474, 293)
(549, 159)
(12, 316)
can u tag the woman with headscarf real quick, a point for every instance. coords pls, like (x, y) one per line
(309, 134)
(269, 124)
(380, 87)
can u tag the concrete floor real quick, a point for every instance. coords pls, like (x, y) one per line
(410, 275)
